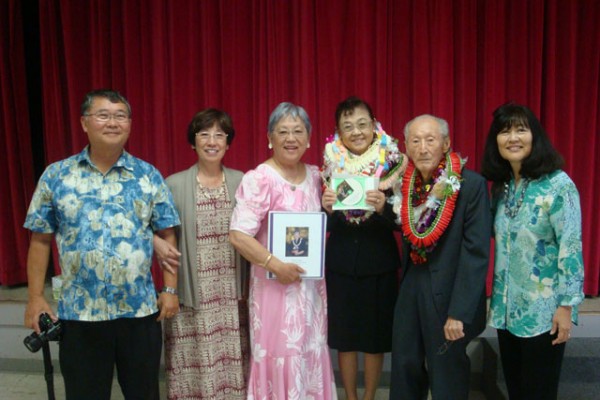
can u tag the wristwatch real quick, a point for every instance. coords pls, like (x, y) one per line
(168, 289)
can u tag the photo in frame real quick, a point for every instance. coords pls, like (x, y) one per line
(299, 238)
(351, 191)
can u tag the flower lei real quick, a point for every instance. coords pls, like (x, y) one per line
(382, 159)
(426, 210)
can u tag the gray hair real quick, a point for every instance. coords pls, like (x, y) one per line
(442, 123)
(286, 109)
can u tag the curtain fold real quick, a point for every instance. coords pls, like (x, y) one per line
(455, 59)
(16, 184)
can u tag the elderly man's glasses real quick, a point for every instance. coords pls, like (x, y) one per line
(363, 126)
(444, 347)
(105, 117)
(206, 136)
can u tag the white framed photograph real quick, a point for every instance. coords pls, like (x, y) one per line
(299, 238)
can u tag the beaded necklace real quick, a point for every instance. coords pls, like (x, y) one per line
(513, 204)
(212, 193)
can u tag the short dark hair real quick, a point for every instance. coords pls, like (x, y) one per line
(347, 106)
(206, 119)
(111, 95)
(544, 158)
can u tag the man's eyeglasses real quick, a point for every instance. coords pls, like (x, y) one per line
(217, 136)
(363, 126)
(105, 117)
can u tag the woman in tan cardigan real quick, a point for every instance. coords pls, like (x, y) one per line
(206, 344)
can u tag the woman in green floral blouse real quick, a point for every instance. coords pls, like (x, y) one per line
(538, 274)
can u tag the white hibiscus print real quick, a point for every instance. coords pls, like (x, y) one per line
(120, 226)
(147, 186)
(70, 205)
(544, 287)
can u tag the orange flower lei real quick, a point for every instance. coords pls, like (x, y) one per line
(440, 209)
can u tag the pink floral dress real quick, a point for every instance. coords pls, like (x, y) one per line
(288, 323)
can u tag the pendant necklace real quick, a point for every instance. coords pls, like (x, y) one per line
(290, 181)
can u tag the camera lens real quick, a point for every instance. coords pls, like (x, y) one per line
(33, 342)
(49, 330)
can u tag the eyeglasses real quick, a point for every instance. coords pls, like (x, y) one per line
(206, 136)
(296, 133)
(105, 117)
(362, 126)
(444, 347)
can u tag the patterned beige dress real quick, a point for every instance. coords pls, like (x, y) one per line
(207, 348)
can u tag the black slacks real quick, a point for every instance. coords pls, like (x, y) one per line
(422, 359)
(89, 352)
(531, 366)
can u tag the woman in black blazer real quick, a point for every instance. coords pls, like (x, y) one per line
(362, 254)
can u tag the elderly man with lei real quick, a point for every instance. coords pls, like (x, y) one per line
(446, 224)
(362, 257)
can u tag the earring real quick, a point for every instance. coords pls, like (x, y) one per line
(308, 145)
(270, 146)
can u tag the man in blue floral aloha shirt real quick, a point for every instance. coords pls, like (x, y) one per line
(103, 206)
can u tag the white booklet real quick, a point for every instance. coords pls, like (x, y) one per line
(299, 238)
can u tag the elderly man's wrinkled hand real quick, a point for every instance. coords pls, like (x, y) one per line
(453, 329)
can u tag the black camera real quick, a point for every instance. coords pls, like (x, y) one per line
(49, 330)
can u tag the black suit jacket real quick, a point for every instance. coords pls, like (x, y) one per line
(459, 262)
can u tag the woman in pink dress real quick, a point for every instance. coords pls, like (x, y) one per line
(288, 316)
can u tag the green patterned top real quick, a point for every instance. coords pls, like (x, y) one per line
(538, 258)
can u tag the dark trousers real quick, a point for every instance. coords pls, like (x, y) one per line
(89, 352)
(422, 359)
(531, 365)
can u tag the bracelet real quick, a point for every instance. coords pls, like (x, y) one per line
(168, 289)
(264, 263)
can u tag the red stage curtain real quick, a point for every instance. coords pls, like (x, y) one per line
(16, 184)
(456, 59)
